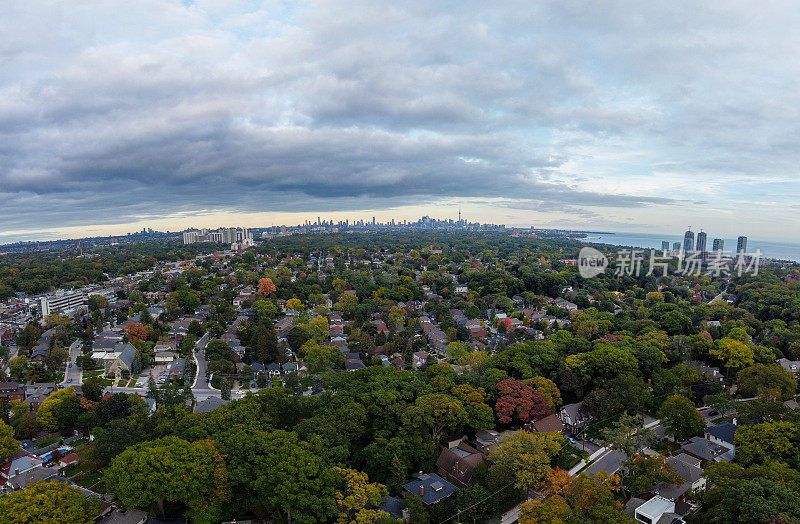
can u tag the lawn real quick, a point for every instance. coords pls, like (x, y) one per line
(569, 456)
(122, 383)
(45, 443)
(71, 471)
(90, 480)
(132, 383)
(99, 374)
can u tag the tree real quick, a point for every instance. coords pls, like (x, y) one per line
(474, 502)
(321, 358)
(754, 500)
(547, 389)
(68, 412)
(265, 310)
(136, 330)
(676, 323)
(436, 411)
(722, 402)
(295, 304)
(586, 498)
(155, 471)
(299, 335)
(479, 413)
(266, 287)
(528, 455)
(218, 349)
(48, 503)
(771, 379)
(17, 367)
(357, 498)
(457, 351)
(92, 388)
(319, 328)
(8, 445)
(767, 441)
(27, 427)
(644, 472)
(681, 418)
(225, 388)
(416, 509)
(518, 402)
(346, 303)
(298, 482)
(265, 344)
(734, 353)
(628, 435)
(45, 416)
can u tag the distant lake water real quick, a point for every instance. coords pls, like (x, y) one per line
(777, 250)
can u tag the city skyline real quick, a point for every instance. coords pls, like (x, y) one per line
(254, 112)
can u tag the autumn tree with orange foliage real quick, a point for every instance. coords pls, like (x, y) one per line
(568, 500)
(266, 287)
(136, 330)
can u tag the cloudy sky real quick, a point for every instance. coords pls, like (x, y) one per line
(623, 116)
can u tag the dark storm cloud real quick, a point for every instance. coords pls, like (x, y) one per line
(114, 111)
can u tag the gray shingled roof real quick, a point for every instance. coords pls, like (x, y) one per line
(435, 488)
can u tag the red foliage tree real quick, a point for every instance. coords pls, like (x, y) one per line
(266, 287)
(136, 330)
(519, 402)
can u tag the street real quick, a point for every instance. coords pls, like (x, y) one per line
(74, 375)
(610, 462)
(199, 393)
(202, 365)
(12, 352)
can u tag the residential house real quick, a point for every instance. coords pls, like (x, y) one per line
(688, 469)
(722, 435)
(117, 516)
(487, 440)
(165, 357)
(394, 507)
(177, 368)
(457, 464)
(657, 510)
(789, 365)
(380, 325)
(68, 460)
(209, 404)
(706, 451)
(418, 359)
(574, 418)
(36, 393)
(21, 469)
(431, 488)
(549, 424)
(565, 304)
(11, 391)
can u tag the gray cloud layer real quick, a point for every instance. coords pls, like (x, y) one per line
(111, 111)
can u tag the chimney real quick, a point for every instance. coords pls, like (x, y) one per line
(16, 471)
(422, 491)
